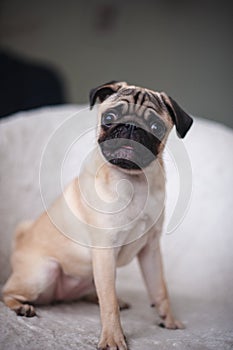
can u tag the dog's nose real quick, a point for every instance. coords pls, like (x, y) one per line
(130, 128)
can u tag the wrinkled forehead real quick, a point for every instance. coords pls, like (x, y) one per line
(136, 101)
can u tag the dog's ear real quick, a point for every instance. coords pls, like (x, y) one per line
(181, 119)
(103, 91)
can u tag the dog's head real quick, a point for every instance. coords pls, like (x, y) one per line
(135, 123)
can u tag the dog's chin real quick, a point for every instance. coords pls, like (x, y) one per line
(127, 158)
(125, 164)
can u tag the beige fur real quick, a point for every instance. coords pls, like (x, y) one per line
(48, 266)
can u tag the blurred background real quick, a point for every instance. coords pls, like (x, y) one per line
(54, 52)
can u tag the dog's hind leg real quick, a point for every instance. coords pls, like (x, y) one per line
(29, 276)
(19, 293)
(32, 281)
(33, 275)
(15, 292)
(19, 304)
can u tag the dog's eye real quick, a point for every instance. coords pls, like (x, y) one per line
(108, 118)
(158, 130)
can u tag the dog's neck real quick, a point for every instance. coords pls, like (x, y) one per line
(103, 171)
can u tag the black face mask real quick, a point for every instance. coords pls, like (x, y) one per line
(129, 146)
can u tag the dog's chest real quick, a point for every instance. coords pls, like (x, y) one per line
(121, 207)
(141, 217)
(141, 209)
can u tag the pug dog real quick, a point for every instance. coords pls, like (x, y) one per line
(47, 266)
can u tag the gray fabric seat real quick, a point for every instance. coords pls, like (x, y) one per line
(197, 255)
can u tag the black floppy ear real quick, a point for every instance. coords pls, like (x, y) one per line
(103, 91)
(181, 119)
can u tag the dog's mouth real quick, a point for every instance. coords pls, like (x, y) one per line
(124, 156)
(134, 153)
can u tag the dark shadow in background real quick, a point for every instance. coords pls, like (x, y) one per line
(25, 85)
(181, 47)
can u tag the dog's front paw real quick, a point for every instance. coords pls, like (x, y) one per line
(123, 305)
(170, 323)
(165, 312)
(115, 341)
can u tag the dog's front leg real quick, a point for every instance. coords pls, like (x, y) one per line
(104, 268)
(150, 261)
